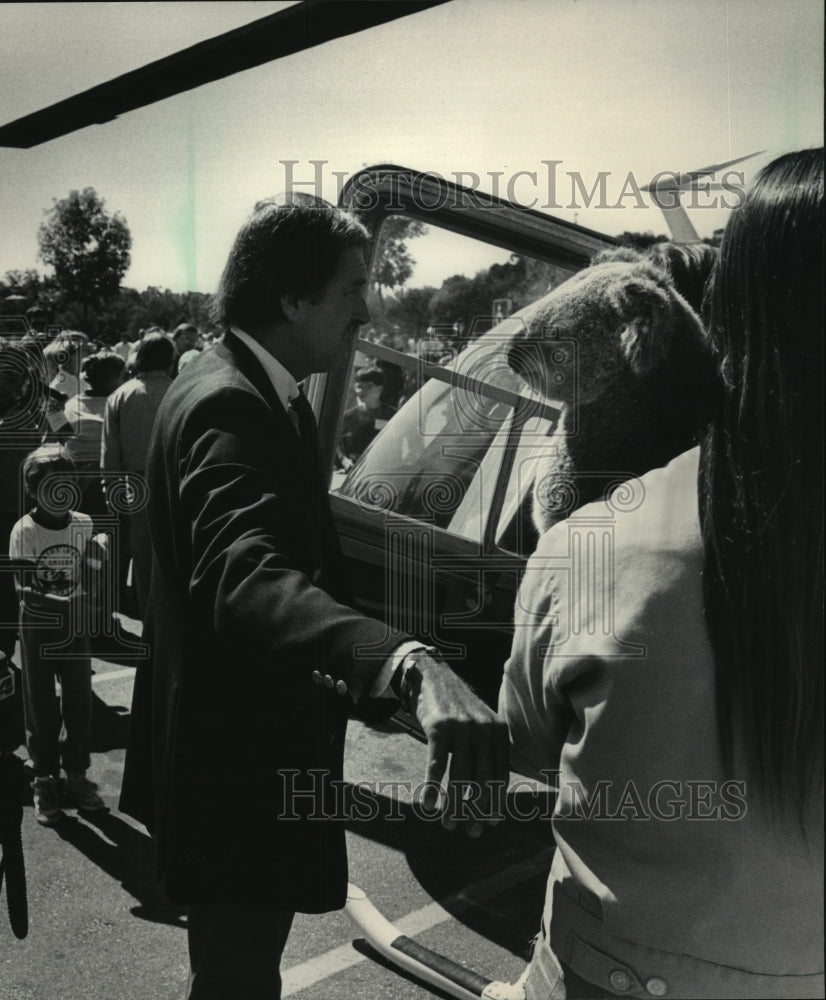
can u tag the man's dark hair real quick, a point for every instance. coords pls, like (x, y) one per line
(155, 353)
(102, 368)
(371, 374)
(283, 248)
(183, 328)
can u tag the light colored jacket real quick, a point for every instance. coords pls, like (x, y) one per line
(128, 421)
(84, 414)
(666, 871)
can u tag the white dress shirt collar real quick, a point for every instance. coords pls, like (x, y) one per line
(285, 385)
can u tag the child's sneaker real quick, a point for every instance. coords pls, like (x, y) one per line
(46, 801)
(83, 793)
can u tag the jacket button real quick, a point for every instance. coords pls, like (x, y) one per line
(316, 576)
(328, 681)
(341, 687)
(317, 678)
(619, 980)
(657, 987)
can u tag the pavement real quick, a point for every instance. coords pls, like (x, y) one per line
(101, 930)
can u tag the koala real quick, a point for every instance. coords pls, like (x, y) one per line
(621, 347)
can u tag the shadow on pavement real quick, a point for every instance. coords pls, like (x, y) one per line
(110, 725)
(115, 643)
(110, 729)
(445, 863)
(129, 858)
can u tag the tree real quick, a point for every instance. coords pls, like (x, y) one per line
(411, 310)
(30, 293)
(19, 291)
(393, 264)
(87, 247)
(470, 300)
(458, 299)
(26, 283)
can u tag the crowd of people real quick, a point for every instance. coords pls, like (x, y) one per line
(236, 562)
(75, 424)
(80, 415)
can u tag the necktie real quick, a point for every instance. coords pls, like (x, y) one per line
(301, 415)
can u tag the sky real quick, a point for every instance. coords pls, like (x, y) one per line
(485, 87)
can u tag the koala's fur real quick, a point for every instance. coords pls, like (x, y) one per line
(625, 353)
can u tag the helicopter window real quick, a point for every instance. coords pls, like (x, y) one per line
(438, 437)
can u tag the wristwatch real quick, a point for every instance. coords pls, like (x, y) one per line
(407, 680)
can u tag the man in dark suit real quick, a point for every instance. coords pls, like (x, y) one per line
(238, 718)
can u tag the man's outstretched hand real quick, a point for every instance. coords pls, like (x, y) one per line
(467, 737)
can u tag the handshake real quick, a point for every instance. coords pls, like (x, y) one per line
(468, 764)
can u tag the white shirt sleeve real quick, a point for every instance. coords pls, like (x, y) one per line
(22, 542)
(381, 686)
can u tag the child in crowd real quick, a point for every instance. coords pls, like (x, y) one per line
(82, 431)
(52, 548)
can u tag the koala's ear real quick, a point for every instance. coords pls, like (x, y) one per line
(636, 343)
(646, 313)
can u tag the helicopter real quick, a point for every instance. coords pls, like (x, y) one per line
(303, 26)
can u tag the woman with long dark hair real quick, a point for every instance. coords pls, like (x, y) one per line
(761, 496)
(667, 665)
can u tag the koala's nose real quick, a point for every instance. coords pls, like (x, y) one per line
(514, 355)
(514, 350)
(525, 359)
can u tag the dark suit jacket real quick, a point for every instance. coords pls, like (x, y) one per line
(248, 600)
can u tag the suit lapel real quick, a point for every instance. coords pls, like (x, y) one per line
(249, 366)
(306, 456)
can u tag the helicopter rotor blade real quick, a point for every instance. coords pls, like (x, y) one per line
(681, 182)
(302, 26)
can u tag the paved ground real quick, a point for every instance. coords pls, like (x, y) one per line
(101, 931)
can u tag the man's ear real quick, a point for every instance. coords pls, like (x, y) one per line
(290, 306)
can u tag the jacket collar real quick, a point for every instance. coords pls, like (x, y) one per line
(251, 368)
(284, 384)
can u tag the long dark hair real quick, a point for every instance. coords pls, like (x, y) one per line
(761, 481)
